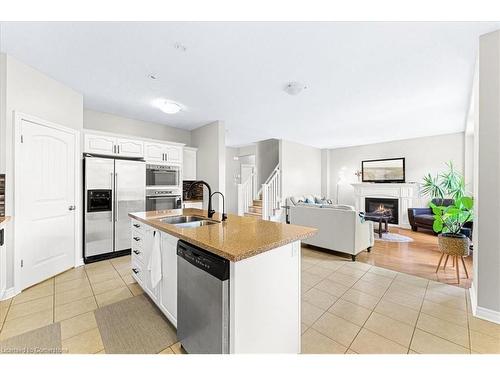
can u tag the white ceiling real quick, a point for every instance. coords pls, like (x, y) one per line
(367, 82)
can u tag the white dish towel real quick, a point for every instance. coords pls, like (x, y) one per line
(154, 265)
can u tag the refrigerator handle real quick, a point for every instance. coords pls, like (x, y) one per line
(112, 197)
(116, 198)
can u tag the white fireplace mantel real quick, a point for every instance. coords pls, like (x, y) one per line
(408, 195)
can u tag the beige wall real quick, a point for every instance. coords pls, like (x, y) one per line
(26, 90)
(116, 124)
(300, 169)
(211, 158)
(423, 155)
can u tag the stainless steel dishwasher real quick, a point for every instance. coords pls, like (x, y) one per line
(202, 300)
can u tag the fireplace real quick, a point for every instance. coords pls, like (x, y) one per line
(383, 205)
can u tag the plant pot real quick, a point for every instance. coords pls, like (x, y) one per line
(453, 244)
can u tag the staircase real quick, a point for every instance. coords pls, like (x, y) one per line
(265, 204)
(255, 209)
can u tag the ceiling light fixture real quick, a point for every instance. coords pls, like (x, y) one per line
(294, 88)
(180, 47)
(153, 76)
(168, 106)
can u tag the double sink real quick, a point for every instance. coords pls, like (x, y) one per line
(188, 221)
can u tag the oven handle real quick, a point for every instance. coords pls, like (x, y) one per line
(164, 197)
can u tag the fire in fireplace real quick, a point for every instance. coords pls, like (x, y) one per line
(386, 206)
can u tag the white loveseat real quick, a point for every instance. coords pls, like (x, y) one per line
(340, 227)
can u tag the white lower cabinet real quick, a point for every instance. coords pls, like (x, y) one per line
(164, 295)
(168, 289)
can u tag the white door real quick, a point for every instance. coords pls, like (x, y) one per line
(45, 213)
(247, 170)
(99, 144)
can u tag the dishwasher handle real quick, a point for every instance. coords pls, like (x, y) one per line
(204, 260)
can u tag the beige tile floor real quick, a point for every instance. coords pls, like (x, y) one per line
(347, 307)
(71, 298)
(353, 307)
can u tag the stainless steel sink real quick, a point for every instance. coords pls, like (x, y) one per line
(188, 221)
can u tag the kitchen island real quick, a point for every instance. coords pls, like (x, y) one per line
(264, 273)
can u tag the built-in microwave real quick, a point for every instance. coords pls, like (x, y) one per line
(158, 175)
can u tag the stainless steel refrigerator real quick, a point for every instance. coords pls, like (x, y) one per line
(113, 189)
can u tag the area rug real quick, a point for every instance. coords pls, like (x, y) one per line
(393, 237)
(134, 326)
(45, 340)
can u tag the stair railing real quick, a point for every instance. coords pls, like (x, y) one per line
(271, 194)
(246, 194)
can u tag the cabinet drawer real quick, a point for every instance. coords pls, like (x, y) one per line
(137, 226)
(137, 239)
(138, 271)
(137, 253)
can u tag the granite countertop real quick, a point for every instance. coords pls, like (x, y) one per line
(4, 219)
(237, 238)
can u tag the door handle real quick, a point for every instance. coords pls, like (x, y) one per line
(136, 271)
(72, 208)
(137, 239)
(137, 252)
(118, 149)
(137, 225)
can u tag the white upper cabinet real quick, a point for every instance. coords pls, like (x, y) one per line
(189, 164)
(99, 144)
(108, 145)
(154, 151)
(130, 147)
(174, 154)
(163, 152)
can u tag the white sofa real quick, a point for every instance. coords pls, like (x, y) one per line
(339, 227)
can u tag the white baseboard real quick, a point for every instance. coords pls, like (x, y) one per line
(79, 262)
(473, 298)
(482, 312)
(7, 293)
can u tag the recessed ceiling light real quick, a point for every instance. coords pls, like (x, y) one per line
(180, 47)
(294, 88)
(168, 106)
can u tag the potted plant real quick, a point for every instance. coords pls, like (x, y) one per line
(448, 184)
(449, 222)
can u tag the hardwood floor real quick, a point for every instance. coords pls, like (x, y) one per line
(419, 258)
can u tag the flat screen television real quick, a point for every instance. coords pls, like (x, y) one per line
(383, 170)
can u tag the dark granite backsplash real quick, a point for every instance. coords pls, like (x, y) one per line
(196, 193)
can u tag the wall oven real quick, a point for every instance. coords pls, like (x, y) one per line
(159, 200)
(163, 175)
